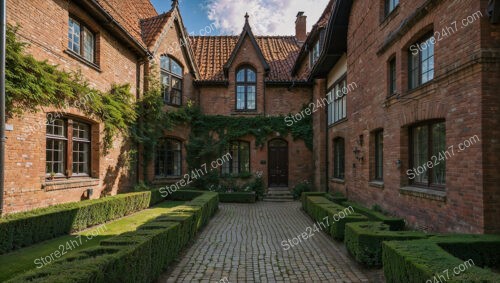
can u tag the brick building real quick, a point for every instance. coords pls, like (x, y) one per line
(412, 126)
(398, 98)
(119, 42)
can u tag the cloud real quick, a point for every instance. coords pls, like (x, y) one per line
(267, 17)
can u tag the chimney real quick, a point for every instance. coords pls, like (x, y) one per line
(301, 27)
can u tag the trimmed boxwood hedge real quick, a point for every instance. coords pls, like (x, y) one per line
(422, 260)
(364, 240)
(238, 197)
(318, 207)
(336, 198)
(27, 228)
(396, 224)
(304, 196)
(138, 256)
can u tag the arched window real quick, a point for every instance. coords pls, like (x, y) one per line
(168, 158)
(246, 89)
(171, 80)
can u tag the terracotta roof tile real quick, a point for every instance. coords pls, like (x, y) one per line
(152, 27)
(212, 52)
(128, 13)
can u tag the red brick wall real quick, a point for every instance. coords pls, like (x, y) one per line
(271, 100)
(44, 24)
(490, 42)
(453, 95)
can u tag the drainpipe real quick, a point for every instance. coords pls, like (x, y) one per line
(3, 31)
(327, 137)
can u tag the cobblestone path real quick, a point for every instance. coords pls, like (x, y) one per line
(243, 243)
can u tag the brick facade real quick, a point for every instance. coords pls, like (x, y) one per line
(461, 94)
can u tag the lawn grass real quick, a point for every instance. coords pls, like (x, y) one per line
(22, 260)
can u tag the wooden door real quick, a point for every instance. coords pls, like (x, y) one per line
(278, 163)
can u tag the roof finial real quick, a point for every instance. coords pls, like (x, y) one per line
(246, 17)
(175, 3)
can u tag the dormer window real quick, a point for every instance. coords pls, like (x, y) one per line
(171, 81)
(314, 54)
(246, 89)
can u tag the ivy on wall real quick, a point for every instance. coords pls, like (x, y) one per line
(32, 84)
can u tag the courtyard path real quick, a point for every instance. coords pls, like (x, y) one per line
(243, 243)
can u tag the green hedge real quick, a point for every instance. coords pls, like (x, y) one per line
(304, 196)
(138, 256)
(364, 240)
(237, 197)
(396, 224)
(28, 228)
(318, 207)
(336, 198)
(423, 260)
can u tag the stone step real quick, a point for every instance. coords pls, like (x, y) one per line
(278, 200)
(279, 197)
(279, 189)
(279, 193)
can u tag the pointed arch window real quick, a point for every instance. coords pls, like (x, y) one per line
(246, 89)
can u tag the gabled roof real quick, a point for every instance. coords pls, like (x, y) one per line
(247, 32)
(214, 54)
(128, 13)
(211, 53)
(152, 27)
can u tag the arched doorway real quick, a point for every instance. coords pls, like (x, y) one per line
(278, 163)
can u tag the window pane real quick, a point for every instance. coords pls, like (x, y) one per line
(338, 158)
(244, 157)
(251, 78)
(439, 153)
(56, 128)
(165, 63)
(379, 155)
(251, 97)
(55, 156)
(74, 36)
(240, 77)
(420, 153)
(414, 73)
(80, 158)
(89, 43)
(176, 68)
(240, 97)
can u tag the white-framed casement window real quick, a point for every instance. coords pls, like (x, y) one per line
(66, 157)
(171, 80)
(337, 98)
(81, 40)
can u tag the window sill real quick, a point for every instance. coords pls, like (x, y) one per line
(424, 193)
(338, 123)
(73, 183)
(166, 180)
(245, 112)
(376, 184)
(83, 60)
(337, 181)
(391, 15)
(172, 105)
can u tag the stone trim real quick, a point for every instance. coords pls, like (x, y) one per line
(66, 184)
(424, 193)
(376, 184)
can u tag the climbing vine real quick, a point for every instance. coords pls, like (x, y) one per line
(32, 84)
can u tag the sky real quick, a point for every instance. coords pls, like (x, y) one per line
(226, 17)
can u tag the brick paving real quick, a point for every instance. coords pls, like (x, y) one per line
(242, 243)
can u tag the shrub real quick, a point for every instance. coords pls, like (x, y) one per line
(396, 224)
(307, 194)
(28, 228)
(318, 207)
(138, 256)
(364, 240)
(423, 260)
(237, 197)
(301, 188)
(337, 197)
